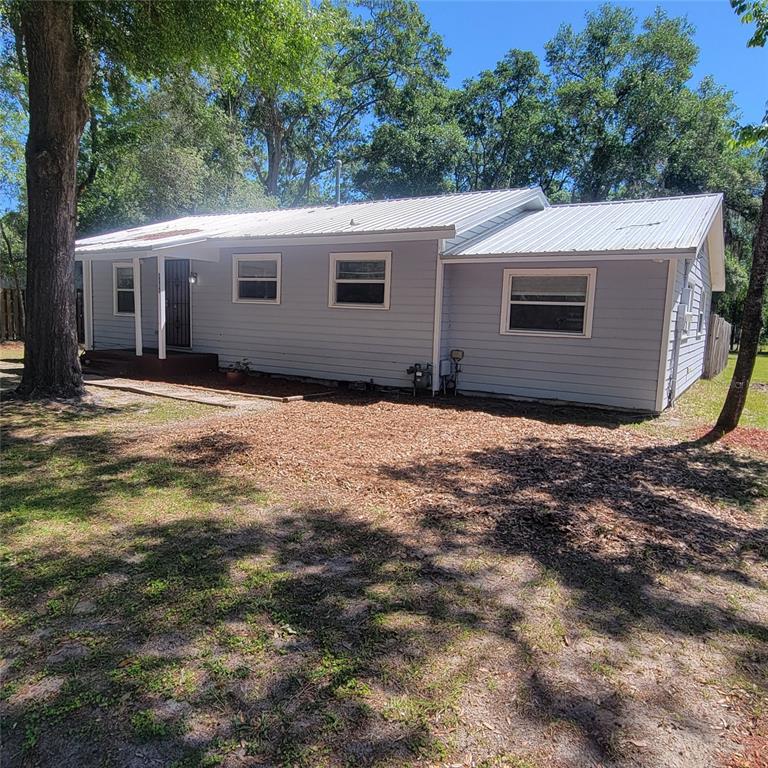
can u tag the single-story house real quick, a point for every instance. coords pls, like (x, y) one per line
(601, 303)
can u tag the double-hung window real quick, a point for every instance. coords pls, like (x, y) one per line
(123, 302)
(256, 278)
(360, 280)
(548, 302)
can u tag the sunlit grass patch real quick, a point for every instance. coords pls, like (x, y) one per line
(702, 402)
(87, 478)
(144, 675)
(146, 726)
(100, 411)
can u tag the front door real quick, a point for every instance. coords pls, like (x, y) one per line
(177, 303)
(79, 306)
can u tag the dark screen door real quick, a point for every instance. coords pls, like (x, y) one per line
(79, 305)
(177, 299)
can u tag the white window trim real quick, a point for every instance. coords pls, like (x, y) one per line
(688, 297)
(385, 256)
(590, 273)
(122, 265)
(237, 258)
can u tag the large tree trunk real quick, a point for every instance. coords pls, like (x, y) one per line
(274, 160)
(58, 78)
(750, 328)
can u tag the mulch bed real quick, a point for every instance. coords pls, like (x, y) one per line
(263, 384)
(750, 438)
(454, 461)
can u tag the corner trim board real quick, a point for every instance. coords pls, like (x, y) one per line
(438, 318)
(668, 302)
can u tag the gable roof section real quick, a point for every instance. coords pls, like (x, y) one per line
(669, 226)
(445, 215)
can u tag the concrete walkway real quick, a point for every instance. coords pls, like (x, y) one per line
(10, 375)
(202, 395)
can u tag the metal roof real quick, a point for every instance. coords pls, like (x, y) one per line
(447, 215)
(663, 224)
(512, 223)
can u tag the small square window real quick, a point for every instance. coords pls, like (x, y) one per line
(256, 279)
(360, 280)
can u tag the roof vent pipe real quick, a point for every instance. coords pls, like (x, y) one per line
(338, 182)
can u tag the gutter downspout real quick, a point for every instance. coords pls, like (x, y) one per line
(438, 318)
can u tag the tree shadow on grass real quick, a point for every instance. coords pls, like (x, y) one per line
(311, 636)
(21, 414)
(308, 638)
(78, 477)
(191, 624)
(608, 524)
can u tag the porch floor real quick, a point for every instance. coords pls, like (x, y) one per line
(125, 362)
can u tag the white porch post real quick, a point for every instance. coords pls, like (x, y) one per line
(161, 306)
(88, 303)
(137, 306)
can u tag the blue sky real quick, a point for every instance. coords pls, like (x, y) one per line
(480, 32)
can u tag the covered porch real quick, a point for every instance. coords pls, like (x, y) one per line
(151, 294)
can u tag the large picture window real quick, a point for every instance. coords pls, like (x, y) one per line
(548, 302)
(123, 300)
(256, 279)
(360, 280)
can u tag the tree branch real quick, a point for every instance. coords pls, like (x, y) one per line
(94, 164)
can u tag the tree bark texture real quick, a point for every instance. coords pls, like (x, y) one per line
(59, 74)
(750, 328)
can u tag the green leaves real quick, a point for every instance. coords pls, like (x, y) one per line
(166, 151)
(617, 91)
(754, 12)
(513, 135)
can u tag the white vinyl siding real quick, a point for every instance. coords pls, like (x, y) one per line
(116, 331)
(697, 305)
(303, 336)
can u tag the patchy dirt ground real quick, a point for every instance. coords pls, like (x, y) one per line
(371, 581)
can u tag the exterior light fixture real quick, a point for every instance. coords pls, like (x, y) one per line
(192, 278)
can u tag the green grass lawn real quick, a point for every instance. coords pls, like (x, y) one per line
(703, 401)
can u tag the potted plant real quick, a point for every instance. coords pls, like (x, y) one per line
(238, 373)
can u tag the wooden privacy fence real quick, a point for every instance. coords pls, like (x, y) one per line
(11, 314)
(718, 346)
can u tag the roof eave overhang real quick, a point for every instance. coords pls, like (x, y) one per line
(148, 250)
(714, 237)
(415, 233)
(626, 255)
